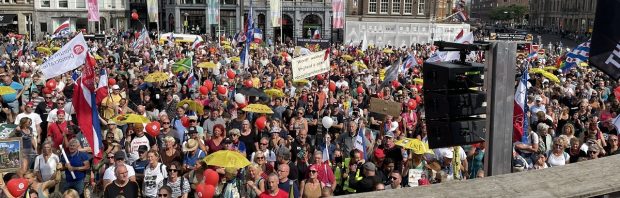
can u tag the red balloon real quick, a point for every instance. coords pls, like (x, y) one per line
(395, 84)
(230, 74)
(248, 83)
(332, 86)
(221, 90)
(420, 62)
(204, 90)
(23, 75)
(47, 90)
(204, 191)
(279, 83)
(419, 88)
(416, 71)
(617, 92)
(208, 84)
(111, 81)
(360, 90)
(185, 121)
(134, 16)
(261, 122)
(51, 84)
(211, 177)
(17, 187)
(320, 77)
(412, 104)
(153, 128)
(380, 95)
(242, 105)
(418, 99)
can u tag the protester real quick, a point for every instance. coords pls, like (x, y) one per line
(121, 186)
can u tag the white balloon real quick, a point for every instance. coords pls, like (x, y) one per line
(327, 122)
(239, 98)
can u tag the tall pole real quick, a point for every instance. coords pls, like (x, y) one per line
(281, 25)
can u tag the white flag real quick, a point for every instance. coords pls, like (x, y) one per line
(69, 57)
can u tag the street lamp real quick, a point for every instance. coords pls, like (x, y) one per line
(186, 23)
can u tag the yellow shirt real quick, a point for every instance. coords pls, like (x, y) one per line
(256, 82)
(109, 103)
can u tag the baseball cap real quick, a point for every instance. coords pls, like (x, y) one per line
(60, 112)
(115, 87)
(389, 134)
(30, 104)
(193, 117)
(370, 166)
(538, 98)
(142, 148)
(379, 153)
(192, 130)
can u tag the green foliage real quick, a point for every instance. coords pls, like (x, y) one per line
(512, 12)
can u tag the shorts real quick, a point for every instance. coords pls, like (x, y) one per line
(14, 106)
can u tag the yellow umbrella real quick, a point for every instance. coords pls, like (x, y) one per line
(55, 49)
(225, 43)
(192, 106)
(4, 90)
(301, 82)
(235, 59)
(360, 52)
(274, 93)
(360, 64)
(228, 47)
(44, 50)
(536, 71)
(550, 68)
(388, 51)
(208, 65)
(97, 57)
(382, 74)
(157, 77)
(130, 118)
(347, 57)
(418, 81)
(551, 77)
(258, 108)
(414, 144)
(583, 64)
(226, 159)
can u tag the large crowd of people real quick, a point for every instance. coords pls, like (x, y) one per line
(292, 153)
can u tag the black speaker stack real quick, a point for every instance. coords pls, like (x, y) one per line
(453, 103)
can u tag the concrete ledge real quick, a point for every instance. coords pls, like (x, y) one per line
(583, 179)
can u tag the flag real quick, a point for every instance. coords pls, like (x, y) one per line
(365, 42)
(197, 43)
(391, 74)
(102, 87)
(142, 40)
(606, 38)
(317, 34)
(22, 49)
(338, 12)
(580, 54)
(519, 119)
(258, 35)
(245, 54)
(153, 9)
(93, 10)
(86, 108)
(462, 16)
(360, 143)
(62, 30)
(408, 63)
(449, 56)
(171, 39)
(214, 12)
(69, 57)
(182, 65)
(275, 9)
(191, 80)
(532, 55)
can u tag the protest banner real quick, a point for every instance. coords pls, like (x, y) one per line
(310, 65)
(69, 57)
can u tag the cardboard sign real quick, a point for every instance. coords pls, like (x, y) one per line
(310, 65)
(414, 176)
(385, 107)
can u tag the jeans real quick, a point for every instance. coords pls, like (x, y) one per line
(76, 185)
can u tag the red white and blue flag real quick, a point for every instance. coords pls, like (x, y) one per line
(409, 62)
(519, 119)
(102, 87)
(532, 56)
(86, 108)
(258, 35)
(62, 30)
(197, 43)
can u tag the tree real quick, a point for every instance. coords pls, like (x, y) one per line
(505, 13)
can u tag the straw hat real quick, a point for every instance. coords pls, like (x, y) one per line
(190, 145)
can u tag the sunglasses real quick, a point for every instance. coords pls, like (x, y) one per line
(110, 157)
(263, 144)
(312, 171)
(162, 195)
(393, 178)
(173, 170)
(166, 122)
(260, 158)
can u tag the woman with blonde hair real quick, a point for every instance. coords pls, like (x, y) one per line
(255, 184)
(556, 156)
(41, 187)
(70, 194)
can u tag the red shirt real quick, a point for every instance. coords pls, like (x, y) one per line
(56, 132)
(280, 194)
(325, 173)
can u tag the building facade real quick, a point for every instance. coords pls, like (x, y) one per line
(16, 16)
(481, 9)
(563, 15)
(298, 17)
(49, 14)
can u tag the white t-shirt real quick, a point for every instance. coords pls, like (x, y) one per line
(135, 144)
(109, 173)
(554, 160)
(176, 187)
(36, 119)
(46, 168)
(51, 117)
(154, 179)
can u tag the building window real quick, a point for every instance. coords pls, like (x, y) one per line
(421, 7)
(384, 6)
(43, 27)
(45, 3)
(395, 6)
(63, 3)
(408, 7)
(372, 6)
(80, 4)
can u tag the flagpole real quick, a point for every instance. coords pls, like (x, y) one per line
(281, 31)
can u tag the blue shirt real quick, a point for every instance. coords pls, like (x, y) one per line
(286, 186)
(76, 160)
(191, 160)
(140, 165)
(12, 97)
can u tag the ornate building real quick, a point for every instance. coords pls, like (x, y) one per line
(16, 16)
(480, 9)
(563, 15)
